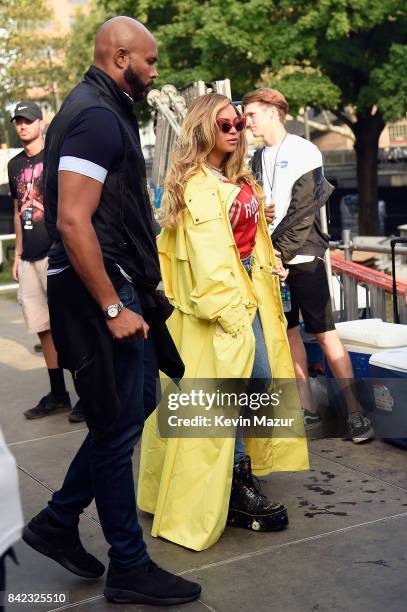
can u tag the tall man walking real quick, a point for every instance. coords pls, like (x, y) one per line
(31, 248)
(290, 170)
(105, 314)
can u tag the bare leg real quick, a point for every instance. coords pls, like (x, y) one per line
(341, 366)
(48, 348)
(299, 357)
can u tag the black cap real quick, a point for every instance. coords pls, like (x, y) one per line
(28, 110)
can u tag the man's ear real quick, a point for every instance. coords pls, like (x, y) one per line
(274, 112)
(121, 58)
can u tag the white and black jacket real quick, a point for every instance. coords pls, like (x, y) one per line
(300, 232)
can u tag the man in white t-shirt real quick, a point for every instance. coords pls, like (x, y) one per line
(291, 173)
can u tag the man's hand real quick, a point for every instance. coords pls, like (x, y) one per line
(279, 270)
(15, 268)
(128, 324)
(270, 213)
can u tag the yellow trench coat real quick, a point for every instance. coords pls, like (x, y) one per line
(185, 482)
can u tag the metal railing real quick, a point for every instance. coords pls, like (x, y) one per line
(377, 285)
(5, 287)
(171, 107)
(351, 275)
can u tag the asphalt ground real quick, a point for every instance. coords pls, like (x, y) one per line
(345, 548)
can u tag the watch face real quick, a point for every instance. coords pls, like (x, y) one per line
(112, 311)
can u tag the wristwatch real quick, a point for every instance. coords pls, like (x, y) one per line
(112, 311)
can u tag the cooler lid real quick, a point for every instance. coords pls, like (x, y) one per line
(396, 359)
(373, 333)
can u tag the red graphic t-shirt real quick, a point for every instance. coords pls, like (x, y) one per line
(244, 219)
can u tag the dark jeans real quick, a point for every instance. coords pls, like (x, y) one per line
(102, 468)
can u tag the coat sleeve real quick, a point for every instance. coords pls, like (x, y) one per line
(290, 242)
(309, 193)
(215, 295)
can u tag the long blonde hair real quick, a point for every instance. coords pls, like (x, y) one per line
(196, 141)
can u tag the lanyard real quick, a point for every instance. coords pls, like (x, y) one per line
(271, 183)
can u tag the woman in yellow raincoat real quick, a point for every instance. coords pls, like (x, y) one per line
(219, 273)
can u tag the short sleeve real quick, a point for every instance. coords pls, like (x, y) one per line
(312, 158)
(11, 181)
(93, 145)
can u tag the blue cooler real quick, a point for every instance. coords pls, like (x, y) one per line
(388, 373)
(315, 356)
(364, 338)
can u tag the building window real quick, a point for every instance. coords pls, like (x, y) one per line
(398, 133)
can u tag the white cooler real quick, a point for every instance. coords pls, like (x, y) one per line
(365, 337)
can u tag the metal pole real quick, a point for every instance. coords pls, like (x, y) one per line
(369, 248)
(306, 124)
(393, 272)
(347, 244)
(393, 243)
(350, 288)
(327, 256)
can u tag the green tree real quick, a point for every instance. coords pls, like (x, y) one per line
(30, 52)
(80, 43)
(347, 56)
(80, 46)
(358, 46)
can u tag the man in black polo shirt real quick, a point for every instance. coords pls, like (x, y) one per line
(106, 317)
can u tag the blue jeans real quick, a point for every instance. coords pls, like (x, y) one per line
(102, 469)
(261, 365)
(261, 370)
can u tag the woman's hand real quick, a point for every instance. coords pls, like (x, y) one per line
(279, 270)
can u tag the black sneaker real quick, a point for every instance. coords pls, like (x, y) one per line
(149, 584)
(62, 545)
(248, 507)
(360, 428)
(76, 415)
(49, 405)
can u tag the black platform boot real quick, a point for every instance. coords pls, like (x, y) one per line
(248, 507)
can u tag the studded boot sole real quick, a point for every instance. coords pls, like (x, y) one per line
(260, 522)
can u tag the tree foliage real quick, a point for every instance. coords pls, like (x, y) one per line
(341, 52)
(348, 56)
(80, 43)
(30, 52)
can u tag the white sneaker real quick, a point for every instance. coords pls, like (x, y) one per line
(312, 424)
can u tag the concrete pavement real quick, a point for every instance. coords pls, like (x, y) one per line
(345, 549)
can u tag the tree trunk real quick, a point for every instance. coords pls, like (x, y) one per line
(367, 131)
